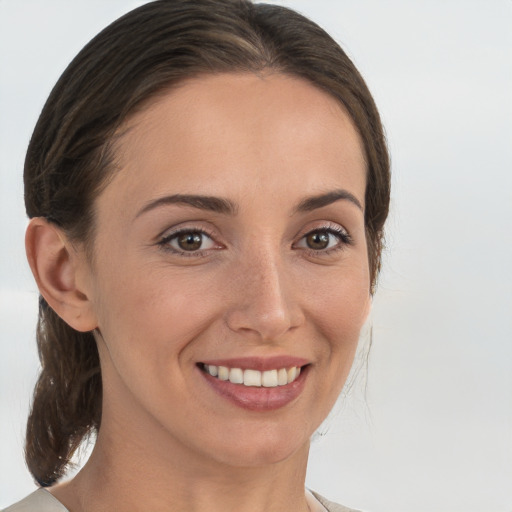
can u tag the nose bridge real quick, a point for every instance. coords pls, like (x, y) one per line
(264, 301)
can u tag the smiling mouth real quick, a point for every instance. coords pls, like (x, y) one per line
(253, 378)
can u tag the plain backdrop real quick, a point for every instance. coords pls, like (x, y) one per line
(428, 425)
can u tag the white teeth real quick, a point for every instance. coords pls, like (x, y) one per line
(269, 379)
(223, 373)
(236, 376)
(254, 378)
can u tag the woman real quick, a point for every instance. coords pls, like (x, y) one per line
(207, 186)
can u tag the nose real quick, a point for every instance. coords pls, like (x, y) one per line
(264, 301)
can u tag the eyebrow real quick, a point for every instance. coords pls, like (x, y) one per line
(227, 207)
(312, 203)
(209, 203)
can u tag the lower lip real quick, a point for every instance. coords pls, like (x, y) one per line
(258, 398)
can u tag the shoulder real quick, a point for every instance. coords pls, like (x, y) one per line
(331, 506)
(39, 501)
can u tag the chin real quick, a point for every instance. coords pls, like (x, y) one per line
(271, 444)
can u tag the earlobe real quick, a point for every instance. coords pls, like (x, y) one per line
(55, 264)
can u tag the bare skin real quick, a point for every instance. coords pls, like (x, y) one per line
(274, 267)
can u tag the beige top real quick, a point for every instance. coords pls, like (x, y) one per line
(39, 501)
(42, 501)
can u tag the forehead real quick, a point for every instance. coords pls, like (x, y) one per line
(223, 130)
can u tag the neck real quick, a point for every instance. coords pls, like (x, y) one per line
(125, 472)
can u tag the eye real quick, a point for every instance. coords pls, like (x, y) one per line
(324, 239)
(188, 241)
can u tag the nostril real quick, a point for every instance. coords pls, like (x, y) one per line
(268, 321)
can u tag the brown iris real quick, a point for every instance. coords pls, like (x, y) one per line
(318, 240)
(190, 241)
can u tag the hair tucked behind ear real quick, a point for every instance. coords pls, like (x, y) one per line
(70, 159)
(67, 396)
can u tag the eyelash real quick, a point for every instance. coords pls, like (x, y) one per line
(343, 237)
(164, 242)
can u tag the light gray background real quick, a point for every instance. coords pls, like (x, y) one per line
(434, 431)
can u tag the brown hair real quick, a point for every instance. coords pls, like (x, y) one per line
(69, 160)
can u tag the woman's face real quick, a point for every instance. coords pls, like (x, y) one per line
(231, 242)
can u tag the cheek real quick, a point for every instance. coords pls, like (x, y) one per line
(342, 305)
(150, 314)
(149, 323)
(338, 313)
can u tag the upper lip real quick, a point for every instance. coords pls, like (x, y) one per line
(259, 363)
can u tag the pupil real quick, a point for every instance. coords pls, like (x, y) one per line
(318, 240)
(190, 241)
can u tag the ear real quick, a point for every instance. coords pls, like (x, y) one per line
(57, 266)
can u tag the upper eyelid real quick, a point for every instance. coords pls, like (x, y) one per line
(167, 238)
(325, 225)
(184, 227)
(164, 243)
(343, 235)
(173, 233)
